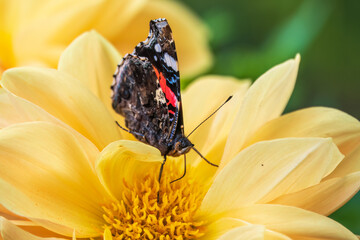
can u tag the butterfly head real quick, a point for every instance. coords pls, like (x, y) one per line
(182, 146)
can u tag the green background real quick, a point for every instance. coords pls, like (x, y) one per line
(249, 37)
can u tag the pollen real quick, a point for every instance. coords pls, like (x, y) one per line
(139, 215)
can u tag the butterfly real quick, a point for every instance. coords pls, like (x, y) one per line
(146, 91)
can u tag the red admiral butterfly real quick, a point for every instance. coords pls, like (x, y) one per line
(146, 91)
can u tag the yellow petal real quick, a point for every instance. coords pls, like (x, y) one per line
(252, 232)
(49, 179)
(126, 160)
(349, 165)
(11, 14)
(98, 60)
(53, 29)
(14, 110)
(74, 235)
(11, 232)
(272, 235)
(8, 214)
(7, 112)
(221, 226)
(265, 100)
(294, 222)
(19, 12)
(110, 12)
(283, 163)
(107, 234)
(34, 228)
(189, 34)
(65, 98)
(205, 95)
(324, 198)
(91, 59)
(2, 69)
(210, 137)
(313, 122)
(6, 54)
(201, 99)
(216, 140)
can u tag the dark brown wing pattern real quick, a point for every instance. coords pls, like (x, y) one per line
(137, 96)
(159, 48)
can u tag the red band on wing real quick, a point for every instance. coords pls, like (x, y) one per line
(170, 96)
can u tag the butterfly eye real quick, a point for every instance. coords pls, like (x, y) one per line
(177, 146)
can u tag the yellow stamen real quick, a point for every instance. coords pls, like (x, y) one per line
(138, 215)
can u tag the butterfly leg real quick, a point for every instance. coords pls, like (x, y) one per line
(127, 130)
(183, 173)
(160, 174)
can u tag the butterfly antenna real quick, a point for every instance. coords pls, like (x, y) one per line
(206, 120)
(212, 164)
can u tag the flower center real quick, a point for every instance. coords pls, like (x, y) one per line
(139, 215)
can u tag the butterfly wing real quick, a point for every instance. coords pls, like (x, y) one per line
(137, 96)
(159, 48)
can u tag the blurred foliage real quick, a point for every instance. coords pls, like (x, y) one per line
(249, 37)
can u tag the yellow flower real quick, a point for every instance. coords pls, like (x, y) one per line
(36, 32)
(64, 168)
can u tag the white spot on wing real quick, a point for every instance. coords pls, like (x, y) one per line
(170, 61)
(157, 48)
(159, 96)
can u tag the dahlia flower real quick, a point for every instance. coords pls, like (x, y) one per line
(66, 170)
